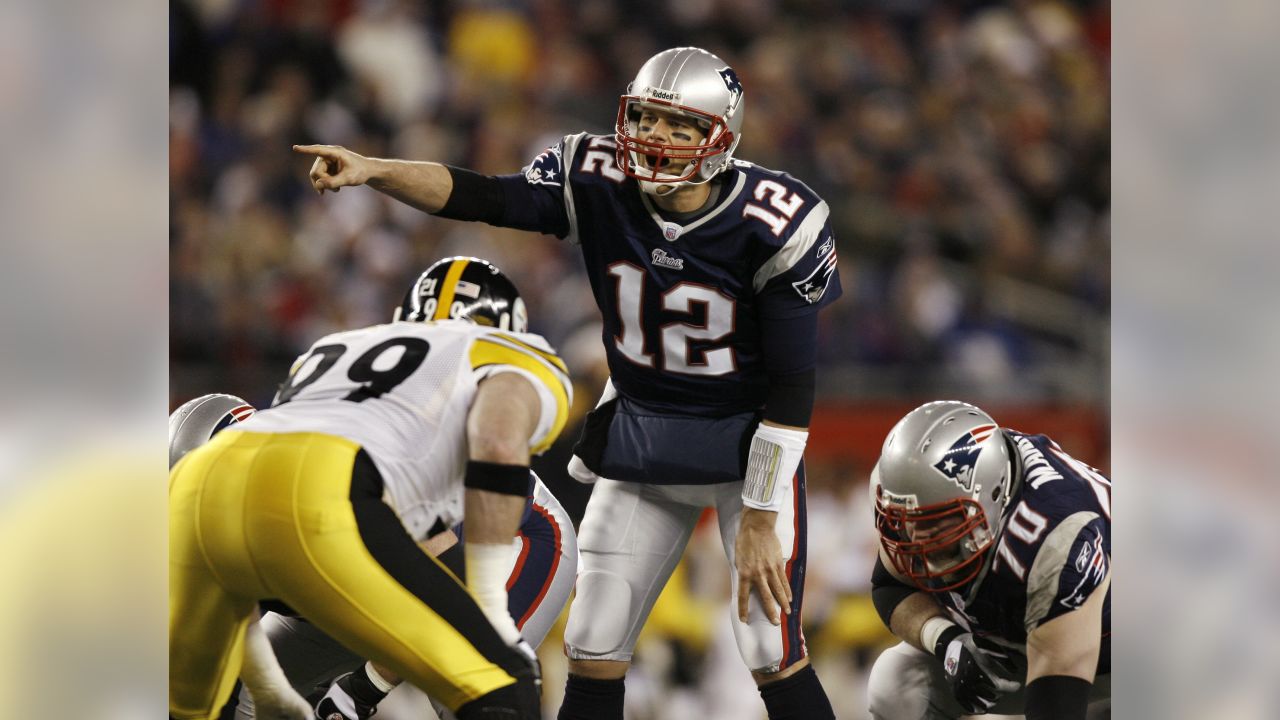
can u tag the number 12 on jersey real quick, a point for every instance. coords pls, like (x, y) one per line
(673, 338)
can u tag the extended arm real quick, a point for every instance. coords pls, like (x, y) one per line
(502, 419)
(423, 185)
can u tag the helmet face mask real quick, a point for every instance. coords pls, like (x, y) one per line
(464, 288)
(697, 86)
(940, 488)
(939, 547)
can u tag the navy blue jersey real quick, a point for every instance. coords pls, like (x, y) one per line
(1053, 549)
(683, 304)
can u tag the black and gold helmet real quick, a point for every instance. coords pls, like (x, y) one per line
(465, 288)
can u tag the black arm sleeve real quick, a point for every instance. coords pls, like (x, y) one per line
(474, 197)
(790, 357)
(790, 400)
(887, 591)
(1057, 697)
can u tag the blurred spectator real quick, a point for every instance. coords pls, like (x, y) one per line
(960, 144)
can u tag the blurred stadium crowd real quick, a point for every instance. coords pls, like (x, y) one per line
(964, 148)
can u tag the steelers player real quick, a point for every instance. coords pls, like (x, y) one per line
(377, 438)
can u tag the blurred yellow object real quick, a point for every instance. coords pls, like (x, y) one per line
(492, 46)
(680, 615)
(82, 553)
(853, 624)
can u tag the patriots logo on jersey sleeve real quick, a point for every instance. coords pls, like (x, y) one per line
(546, 169)
(960, 459)
(812, 287)
(1091, 566)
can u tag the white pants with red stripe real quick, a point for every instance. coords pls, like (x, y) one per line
(632, 537)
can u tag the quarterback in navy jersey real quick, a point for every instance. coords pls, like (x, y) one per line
(709, 272)
(994, 570)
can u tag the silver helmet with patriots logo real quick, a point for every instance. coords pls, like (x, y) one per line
(196, 421)
(464, 288)
(942, 482)
(691, 82)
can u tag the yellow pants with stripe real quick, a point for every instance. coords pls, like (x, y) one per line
(299, 517)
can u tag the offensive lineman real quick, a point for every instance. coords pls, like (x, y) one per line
(994, 570)
(320, 500)
(709, 272)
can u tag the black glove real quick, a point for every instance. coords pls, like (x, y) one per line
(530, 657)
(350, 697)
(521, 701)
(978, 676)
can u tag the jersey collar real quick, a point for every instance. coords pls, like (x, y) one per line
(725, 199)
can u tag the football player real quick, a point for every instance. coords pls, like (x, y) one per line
(709, 272)
(994, 570)
(543, 564)
(320, 501)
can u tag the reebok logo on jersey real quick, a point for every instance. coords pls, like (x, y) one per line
(1092, 573)
(662, 259)
(959, 461)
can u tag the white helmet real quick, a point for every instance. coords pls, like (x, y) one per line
(942, 482)
(695, 83)
(193, 424)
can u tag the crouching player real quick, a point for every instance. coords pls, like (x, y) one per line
(994, 570)
(544, 562)
(378, 438)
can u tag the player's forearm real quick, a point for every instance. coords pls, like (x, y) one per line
(491, 520)
(491, 517)
(425, 186)
(911, 615)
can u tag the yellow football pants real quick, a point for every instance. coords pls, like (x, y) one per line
(299, 517)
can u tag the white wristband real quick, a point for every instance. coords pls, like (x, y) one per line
(488, 567)
(932, 630)
(775, 455)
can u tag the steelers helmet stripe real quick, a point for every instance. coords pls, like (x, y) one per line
(448, 287)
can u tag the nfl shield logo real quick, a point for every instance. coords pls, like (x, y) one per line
(671, 231)
(959, 461)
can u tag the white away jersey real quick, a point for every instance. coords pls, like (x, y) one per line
(403, 392)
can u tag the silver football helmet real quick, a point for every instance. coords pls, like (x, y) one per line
(198, 420)
(942, 482)
(691, 82)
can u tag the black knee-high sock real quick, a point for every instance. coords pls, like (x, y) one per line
(799, 697)
(588, 699)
